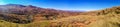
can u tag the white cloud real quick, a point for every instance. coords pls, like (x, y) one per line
(89, 10)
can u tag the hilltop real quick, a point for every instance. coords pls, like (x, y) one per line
(32, 16)
(31, 13)
(100, 18)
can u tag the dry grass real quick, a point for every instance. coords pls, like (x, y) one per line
(109, 20)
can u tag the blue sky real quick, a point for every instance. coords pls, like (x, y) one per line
(76, 5)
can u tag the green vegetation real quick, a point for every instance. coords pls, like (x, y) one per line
(34, 24)
(31, 16)
(4, 23)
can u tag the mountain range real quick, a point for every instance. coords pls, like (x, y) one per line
(32, 16)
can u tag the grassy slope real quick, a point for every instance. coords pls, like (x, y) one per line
(34, 24)
(9, 24)
(109, 20)
(103, 19)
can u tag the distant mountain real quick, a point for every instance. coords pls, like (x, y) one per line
(32, 16)
(24, 13)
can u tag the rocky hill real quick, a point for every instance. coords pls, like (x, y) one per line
(32, 13)
(15, 15)
(100, 18)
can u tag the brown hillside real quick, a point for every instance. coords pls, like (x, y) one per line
(113, 10)
(34, 13)
(102, 18)
(22, 16)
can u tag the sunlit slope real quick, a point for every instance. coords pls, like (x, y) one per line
(101, 18)
(42, 17)
(109, 20)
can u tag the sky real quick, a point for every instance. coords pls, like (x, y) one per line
(75, 5)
